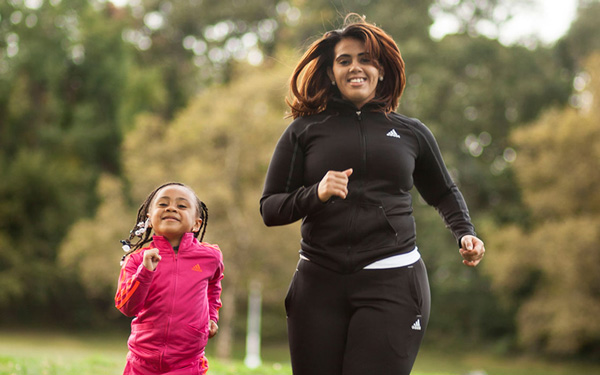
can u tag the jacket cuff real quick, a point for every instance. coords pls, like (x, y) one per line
(460, 237)
(144, 275)
(314, 203)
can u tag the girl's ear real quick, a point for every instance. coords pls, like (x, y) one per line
(197, 225)
(148, 221)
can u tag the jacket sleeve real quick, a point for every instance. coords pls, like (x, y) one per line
(134, 284)
(437, 187)
(214, 290)
(285, 199)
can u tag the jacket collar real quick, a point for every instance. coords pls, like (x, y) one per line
(161, 243)
(346, 107)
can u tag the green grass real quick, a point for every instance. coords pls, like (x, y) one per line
(45, 353)
(50, 353)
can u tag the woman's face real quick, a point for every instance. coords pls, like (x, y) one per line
(354, 71)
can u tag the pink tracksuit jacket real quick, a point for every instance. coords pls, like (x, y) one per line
(172, 306)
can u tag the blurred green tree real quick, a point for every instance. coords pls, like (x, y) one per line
(476, 17)
(192, 44)
(549, 268)
(583, 37)
(59, 122)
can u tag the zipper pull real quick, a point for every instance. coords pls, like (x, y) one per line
(358, 114)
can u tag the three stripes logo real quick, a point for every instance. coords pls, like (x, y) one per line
(417, 325)
(392, 133)
(197, 268)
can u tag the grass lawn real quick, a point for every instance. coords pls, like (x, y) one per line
(104, 354)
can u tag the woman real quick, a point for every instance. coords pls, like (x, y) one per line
(359, 300)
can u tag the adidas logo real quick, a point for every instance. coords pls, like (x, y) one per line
(392, 133)
(197, 268)
(417, 325)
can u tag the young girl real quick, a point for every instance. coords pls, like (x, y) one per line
(172, 286)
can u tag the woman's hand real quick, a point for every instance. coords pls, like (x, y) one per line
(472, 250)
(151, 259)
(213, 328)
(334, 183)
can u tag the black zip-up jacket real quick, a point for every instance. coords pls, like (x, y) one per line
(388, 154)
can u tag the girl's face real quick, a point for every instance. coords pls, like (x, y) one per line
(354, 71)
(173, 212)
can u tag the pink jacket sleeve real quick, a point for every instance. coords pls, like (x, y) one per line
(214, 290)
(134, 283)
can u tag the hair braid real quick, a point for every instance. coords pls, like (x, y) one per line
(203, 213)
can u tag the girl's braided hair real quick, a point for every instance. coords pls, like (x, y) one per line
(140, 229)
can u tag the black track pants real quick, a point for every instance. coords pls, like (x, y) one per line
(367, 323)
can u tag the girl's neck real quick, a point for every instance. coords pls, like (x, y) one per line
(175, 243)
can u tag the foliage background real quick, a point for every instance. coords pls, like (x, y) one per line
(99, 104)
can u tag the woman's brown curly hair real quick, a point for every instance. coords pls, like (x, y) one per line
(310, 86)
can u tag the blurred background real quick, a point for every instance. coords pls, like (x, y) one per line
(102, 101)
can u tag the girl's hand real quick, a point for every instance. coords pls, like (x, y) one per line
(472, 250)
(151, 259)
(213, 328)
(334, 183)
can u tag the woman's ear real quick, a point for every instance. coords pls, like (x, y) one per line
(330, 75)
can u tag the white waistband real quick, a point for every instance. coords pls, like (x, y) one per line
(395, 261)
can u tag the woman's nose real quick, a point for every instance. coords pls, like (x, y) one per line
(355, 67)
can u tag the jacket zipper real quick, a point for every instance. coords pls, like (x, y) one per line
(363, 148)
(175, 277)
(363, 143)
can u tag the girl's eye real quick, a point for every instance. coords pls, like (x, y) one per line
(162, 205)
(182, 206)
(343, 62)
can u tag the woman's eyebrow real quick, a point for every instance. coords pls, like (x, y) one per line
(344, 55)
